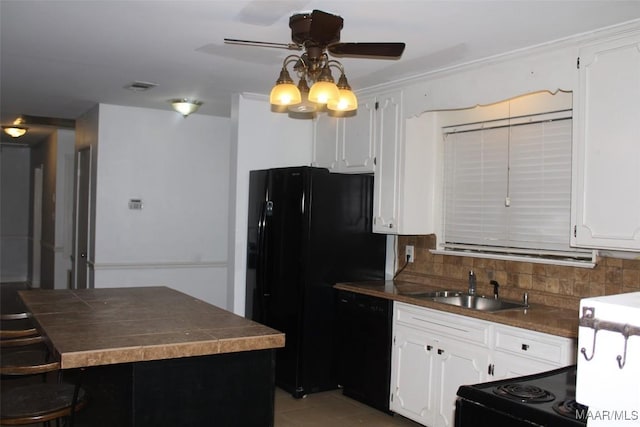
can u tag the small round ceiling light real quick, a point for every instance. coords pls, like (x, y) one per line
(14, 131)
(185, 106)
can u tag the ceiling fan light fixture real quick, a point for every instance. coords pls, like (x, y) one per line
(14, 131)
(185, 106)
(304, 106)
(347, 100)
(285, 92)
(324, 90)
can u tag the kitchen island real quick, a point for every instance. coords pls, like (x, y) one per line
(152, 356)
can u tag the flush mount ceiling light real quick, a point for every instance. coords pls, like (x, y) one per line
(317, 33)
(185, 106)
(14, 131)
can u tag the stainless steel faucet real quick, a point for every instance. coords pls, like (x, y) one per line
(472, 283)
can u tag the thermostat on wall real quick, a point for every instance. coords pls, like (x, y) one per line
(135, 204)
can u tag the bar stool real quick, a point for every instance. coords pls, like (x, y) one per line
(39, 402)
(21, 342)
(25, 355)
(16, 326)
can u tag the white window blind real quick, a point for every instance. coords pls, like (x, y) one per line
(508, 187)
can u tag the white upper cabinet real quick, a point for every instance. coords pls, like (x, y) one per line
(326, 136)
(388, 129)
(358, 139)
(606, 173)
(404, 184)
(346, 145)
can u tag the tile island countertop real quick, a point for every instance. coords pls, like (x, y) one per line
(537, 317)
(94, 327)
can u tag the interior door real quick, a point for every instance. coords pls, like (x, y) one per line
(80, 256)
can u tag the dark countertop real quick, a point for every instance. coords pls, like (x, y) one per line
(541, 318)
(91, 327)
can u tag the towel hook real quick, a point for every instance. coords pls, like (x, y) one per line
(623, 359)
(593, 349)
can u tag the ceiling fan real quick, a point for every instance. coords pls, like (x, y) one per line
(317, 34)
(319, 31)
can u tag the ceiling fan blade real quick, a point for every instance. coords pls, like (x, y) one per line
(290, 46)
(325, 27)
(383, 50)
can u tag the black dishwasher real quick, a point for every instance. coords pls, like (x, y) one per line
(363, 358)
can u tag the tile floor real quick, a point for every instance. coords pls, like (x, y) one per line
(330, 408)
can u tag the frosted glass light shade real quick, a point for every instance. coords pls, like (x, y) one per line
(323, 92)
(285, 94)
(14, 131)
(347, 101)
(185, 106)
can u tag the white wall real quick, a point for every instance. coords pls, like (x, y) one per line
(179, 168)
(262, 140)
(14, 213)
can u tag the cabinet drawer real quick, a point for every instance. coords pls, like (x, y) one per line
(533, 344)
(447, 325)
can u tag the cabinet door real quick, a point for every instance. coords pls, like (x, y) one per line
(326, 138)
(606, 199)
(412, 375)
(357, 146)
(458, 363)
(388, 146)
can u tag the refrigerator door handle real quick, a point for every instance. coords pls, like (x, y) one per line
(261, 274)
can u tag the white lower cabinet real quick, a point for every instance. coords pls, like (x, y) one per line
(518, 352)
(435, 352)
(458, 363)
(413, 357)
(431, 358)
(428, 371)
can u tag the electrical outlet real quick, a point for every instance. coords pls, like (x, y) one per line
(408, 251)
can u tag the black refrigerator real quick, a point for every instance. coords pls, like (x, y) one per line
(308, 229)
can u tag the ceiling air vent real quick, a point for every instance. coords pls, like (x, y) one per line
(140, 86)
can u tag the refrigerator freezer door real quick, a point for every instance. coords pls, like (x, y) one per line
(308, 229)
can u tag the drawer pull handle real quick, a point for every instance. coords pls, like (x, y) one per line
(429, 347)
(440, 351)
(525, 347)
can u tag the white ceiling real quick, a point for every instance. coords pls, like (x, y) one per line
(61, 57)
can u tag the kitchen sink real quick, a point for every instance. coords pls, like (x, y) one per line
(475, 302)
(435, 294)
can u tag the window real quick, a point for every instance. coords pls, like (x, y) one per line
(507, 188)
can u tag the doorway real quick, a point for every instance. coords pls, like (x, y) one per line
(36, 247)
(80, 258)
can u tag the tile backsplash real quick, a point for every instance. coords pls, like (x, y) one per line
(558, 286)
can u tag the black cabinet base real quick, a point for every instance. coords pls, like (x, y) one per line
(232, 389)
